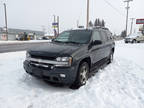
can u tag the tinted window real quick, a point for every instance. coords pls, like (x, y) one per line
(81, 36)
(77, 36)
(109, 35)
(104, 36)
(96, 36)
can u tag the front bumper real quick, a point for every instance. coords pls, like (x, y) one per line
(64, 75)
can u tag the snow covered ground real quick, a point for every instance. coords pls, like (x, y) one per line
(119, 85)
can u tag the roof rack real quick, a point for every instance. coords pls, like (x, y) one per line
(99, 27)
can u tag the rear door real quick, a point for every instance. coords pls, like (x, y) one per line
(96, 51)
(107, 43)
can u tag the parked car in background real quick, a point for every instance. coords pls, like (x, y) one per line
(134, 38)
(25, 36)
(72, 57)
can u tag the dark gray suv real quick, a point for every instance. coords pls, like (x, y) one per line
(72, 57)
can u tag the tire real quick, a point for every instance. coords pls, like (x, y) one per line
(110, 58)
(134, 41)
(82, 76)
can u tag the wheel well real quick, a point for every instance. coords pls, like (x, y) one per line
(113, 50)
(88, 60)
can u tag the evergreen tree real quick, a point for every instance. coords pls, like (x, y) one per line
(103, 23)
(96, 22)
(99, 23)
(90, 24)
(123, 33)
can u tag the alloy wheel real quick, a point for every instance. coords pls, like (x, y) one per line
(84, 74)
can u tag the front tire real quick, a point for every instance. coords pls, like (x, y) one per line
(82, 76)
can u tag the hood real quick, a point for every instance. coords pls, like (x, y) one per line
(54, 49)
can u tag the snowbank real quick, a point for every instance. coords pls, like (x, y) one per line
(17, 42)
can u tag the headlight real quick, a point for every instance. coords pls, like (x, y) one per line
(67, 60)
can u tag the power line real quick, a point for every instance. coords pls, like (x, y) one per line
(113, 7)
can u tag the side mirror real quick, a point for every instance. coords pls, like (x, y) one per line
(97, 42)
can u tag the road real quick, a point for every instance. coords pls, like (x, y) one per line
(18, 46)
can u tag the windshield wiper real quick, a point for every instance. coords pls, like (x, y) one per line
(67, 42)
(58, 41)
(72, 42)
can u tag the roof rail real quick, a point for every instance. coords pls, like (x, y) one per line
(99, 27)
(105, 28)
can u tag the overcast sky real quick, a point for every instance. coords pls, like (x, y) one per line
(37, 14)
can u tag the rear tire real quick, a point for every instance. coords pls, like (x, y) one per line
(110, 59)
(82, 76)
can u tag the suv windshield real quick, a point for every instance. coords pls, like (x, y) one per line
(74, 36)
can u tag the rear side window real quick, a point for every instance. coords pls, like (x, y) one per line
(104, 36)
(96, 36)
(109, 35)
(80, 36)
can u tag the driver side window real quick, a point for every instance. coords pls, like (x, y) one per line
(96, 36)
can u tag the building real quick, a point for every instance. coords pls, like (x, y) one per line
(13, 32)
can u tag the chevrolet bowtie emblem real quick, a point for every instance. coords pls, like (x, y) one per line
(39, 60)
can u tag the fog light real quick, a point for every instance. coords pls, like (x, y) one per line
(62, 75)
(52, 67)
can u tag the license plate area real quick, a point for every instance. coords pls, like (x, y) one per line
(37, 72)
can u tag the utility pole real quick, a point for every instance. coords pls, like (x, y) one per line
(132, 19)
(58, 24)
(6, 28)
(54, 26)
(87, 25)
(127, 8)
